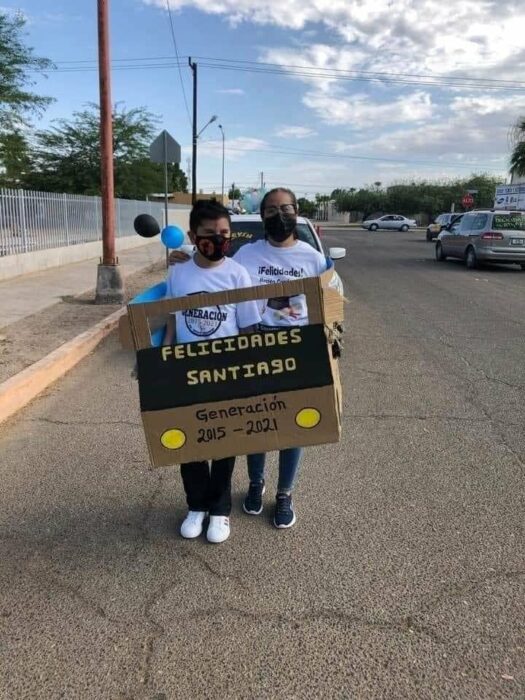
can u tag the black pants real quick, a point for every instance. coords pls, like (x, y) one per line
(209, 489)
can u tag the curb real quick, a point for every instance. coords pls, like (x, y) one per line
(16, 392)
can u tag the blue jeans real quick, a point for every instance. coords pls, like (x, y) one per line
(288, 466)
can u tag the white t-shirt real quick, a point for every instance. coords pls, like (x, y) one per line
(268, 264)
(213, 321)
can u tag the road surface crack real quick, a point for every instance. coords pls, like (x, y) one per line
(54, 421)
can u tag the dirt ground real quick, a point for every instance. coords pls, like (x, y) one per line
(29, 340)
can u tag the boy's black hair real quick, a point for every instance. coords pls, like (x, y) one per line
(207, 209)
(262, 205)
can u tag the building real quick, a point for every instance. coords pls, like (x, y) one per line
(185, 197)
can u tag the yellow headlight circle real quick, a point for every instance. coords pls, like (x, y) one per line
(308, 418)
(173, 439)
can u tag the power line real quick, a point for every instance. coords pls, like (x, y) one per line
(292, 70)
(178, 59)
(92, 69)
(342, 156)
(394, 81)
(351, 72)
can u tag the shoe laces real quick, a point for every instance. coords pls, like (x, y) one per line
(283, 502)
(255, 488)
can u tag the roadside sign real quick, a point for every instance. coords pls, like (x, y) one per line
(164, 149)
(467, 200)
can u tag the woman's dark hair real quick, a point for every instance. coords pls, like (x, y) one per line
(207, 209)
(277, 189)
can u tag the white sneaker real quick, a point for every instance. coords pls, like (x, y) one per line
(218, 529)
(192, 524)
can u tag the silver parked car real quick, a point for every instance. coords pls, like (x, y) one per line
(435, 228)
(496, 236)
(393, 222)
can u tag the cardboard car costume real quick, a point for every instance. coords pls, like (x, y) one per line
(242, 394)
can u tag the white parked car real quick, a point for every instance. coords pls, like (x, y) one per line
(390, 222)
(248, 228)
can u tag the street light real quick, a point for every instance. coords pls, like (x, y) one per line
(222, 186)
(194, 153)
(213, 119)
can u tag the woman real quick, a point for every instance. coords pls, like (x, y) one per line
(281, 257)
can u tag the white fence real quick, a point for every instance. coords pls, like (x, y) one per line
(32, 221)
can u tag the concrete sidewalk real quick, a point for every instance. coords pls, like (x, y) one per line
(49, 321)
(23, 296)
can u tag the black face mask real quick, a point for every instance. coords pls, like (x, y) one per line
(213, 248)
(280, 226)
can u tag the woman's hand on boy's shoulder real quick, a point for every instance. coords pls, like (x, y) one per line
(178, 256)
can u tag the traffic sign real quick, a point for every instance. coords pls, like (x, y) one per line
(164, 149)
(467, 200)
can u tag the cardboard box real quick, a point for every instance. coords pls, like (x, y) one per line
(239, 395)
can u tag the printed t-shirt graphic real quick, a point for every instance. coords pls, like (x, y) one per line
(211, 321)
(268, 264)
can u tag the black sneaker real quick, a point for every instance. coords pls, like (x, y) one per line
(253, 501)
(284, 512)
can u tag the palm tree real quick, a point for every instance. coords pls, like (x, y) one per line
(517, 159)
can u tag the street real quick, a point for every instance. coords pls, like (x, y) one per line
(403, 577)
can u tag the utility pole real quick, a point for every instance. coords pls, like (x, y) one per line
(188, 169)
(193, 67)
(222, 185)
(109, 282)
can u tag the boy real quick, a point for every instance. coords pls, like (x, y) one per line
(208, 490)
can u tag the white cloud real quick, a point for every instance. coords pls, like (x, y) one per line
(295, 132)
(362, 111)
(409, 35)
(231, 91)
(375, 86)
(476, 129)
(235, 148)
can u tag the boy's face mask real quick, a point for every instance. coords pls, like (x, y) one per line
(213, 248)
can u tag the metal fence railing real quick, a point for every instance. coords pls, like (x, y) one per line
(32, 221)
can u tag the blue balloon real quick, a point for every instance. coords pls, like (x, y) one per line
(172, 236)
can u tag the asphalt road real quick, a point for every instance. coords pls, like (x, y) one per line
(403, 578)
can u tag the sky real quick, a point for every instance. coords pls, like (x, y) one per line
(314, 94)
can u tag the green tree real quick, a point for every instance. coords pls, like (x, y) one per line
(17, 102)
(517, 159)
(67, 156)
(15, 159)
(234, 193)
(365, 201)
(412, 198)
(306, 207)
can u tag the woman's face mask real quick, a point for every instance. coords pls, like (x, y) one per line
(280, 225)
(213, 248)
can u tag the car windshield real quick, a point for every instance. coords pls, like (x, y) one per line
(509, 222)
(251, 231)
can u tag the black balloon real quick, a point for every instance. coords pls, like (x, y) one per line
(146, 226)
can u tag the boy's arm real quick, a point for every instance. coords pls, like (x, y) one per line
(249, 329)
(247, 312)
(169, 335)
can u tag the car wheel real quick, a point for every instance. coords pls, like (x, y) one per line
(440, 256)
(374, 227)
(404, 228)
(471, 260)
(429, 236)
